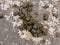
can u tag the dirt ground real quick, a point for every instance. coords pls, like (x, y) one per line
(9, 36)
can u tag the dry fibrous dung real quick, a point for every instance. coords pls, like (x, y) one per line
(29, 23)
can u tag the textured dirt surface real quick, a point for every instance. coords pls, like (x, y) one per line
(9, 36)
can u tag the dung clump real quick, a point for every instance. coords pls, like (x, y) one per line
(30, 24)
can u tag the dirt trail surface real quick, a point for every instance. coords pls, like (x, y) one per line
(9, 36)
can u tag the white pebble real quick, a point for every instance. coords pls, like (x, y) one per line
(50, 5)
